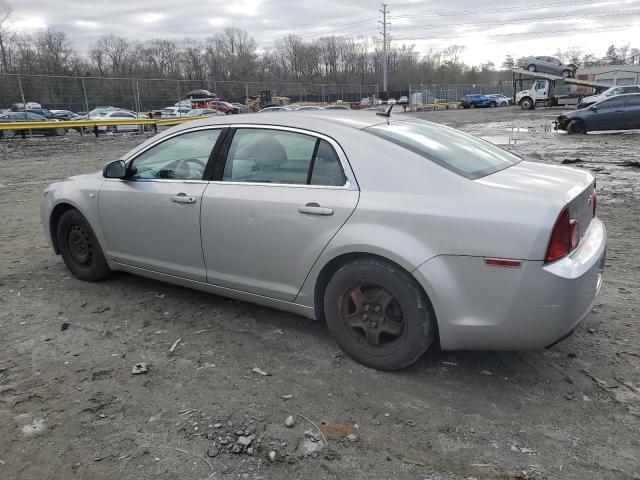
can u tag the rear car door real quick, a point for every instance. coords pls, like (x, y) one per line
(278, 196)
(632, 112)
(151, 219)
(609, 114)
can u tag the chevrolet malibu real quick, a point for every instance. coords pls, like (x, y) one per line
(397, 233)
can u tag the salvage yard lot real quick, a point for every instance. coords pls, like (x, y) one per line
(70, 407)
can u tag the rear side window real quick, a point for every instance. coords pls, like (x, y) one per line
(258, 155)
(459, 152)
(634, 101)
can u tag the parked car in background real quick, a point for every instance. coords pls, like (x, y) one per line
(64, 114)
(307, 108)
(118, 115)
(501, 100)
(242, 108)
(225, 107)
(13, 117)
(391, 101)
(337, 107)
(403, 100)
(203, 112)
(621, 112)
(550, 65)
(276, 109)
(387, 260)
(610, 92)
(477, 101)
(174, 112)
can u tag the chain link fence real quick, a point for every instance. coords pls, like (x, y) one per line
(81, 94)
(423, 94)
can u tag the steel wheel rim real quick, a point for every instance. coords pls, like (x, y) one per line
(373, 318)
(80, 247)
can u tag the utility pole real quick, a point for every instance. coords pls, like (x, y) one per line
(385, 36)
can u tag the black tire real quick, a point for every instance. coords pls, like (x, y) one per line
(531, 68)
(8, 133)
(503, 104)
(526, 104)
(473, 105)
(113, 129)
(378, 314)
(80, 249)
(576, 126)
(61, 132)
(493, 105)
(565, 74)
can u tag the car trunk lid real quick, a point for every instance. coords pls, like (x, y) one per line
(560, 186)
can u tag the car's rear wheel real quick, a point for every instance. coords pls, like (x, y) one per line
(61, 132)
(531, 68)
(80, 249)
(503, 104)
(112, 129)
(566, 73)
(8, 133)
(473, 105)
(576, 126)
(493, 104)
(378, 314)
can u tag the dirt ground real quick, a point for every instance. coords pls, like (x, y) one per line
(70, 407)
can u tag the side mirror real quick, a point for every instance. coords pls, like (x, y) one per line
(115, 169)
(593, 108)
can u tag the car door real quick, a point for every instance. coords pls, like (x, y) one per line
(608, 115)
(632, 113)
(151, 219)
(280, 197)
(125, 116)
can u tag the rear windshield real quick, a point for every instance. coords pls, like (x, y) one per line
(459, 152)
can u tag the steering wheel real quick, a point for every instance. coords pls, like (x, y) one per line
(183, 165)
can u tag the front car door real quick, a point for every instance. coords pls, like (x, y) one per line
(151, 219)
(280, 197)
(608, 115)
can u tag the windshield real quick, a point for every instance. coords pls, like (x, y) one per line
(459, 152)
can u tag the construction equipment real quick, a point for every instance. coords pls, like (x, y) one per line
(267, 98)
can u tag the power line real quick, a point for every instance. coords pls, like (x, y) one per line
(528, 20)
(540, 32)
(514, 8)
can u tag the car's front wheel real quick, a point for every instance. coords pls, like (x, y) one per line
(531, 68)
(566, 73)
(8, 133)
(378, 314)
(80, 249)
(493, 104)
(576, 126)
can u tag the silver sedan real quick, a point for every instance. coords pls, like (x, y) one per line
(398, 232)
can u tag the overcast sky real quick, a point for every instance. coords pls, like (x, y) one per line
(490, 29)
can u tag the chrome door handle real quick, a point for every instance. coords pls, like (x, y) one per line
(315, 209)
(183, 198)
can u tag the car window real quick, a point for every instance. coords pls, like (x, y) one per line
(183, 157)
(269, 156)
(33, 116)
(634, 101)
(631, 89)
(454, 150)
(275, 156)
(615, 102)
(123, 115)
(326, 166)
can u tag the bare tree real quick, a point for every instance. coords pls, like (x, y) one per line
(6, 34)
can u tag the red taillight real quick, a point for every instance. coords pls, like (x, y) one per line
(564, 237)
(594, 199)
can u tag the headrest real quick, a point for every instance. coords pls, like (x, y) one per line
(268, 152)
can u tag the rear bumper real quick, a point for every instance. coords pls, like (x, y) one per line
(525, 308)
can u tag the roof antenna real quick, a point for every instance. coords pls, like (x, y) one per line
(387, 113)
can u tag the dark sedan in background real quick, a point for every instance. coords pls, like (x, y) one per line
(12, 117)
(618, 113)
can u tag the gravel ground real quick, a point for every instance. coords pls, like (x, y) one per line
(70, 407)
